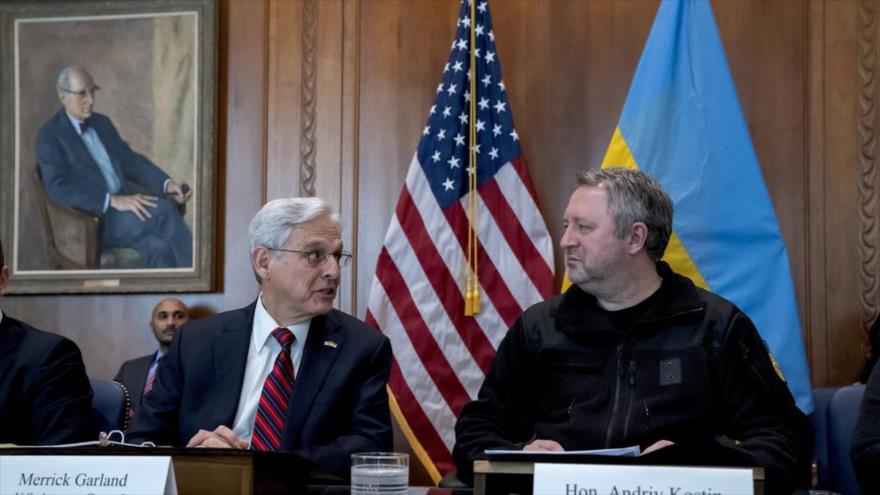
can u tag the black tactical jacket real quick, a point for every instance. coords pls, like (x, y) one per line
(691, 369)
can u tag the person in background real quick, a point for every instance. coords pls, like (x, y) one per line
(287, 372)
(139, 374)
(865, 446)
(874, 342)
(45, 396)
(634, 354)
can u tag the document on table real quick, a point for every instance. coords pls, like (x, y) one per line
(499, 454)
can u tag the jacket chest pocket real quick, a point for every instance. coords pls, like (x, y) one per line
(674, 386)
(569, 377)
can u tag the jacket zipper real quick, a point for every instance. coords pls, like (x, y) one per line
(631, 372)
(619, 376)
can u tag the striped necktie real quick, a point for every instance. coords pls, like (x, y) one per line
(272, 409)
(151, 378)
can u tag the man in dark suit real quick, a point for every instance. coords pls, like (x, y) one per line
(288, 372)
(138, 375)
(45, 396)
(85, 164)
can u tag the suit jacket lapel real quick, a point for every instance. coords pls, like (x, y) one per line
(230, 361)
(323, 345)
(79, 147)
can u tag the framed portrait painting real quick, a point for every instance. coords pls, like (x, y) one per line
(107, 145)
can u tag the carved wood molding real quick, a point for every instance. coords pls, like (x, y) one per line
(868, 276)
(308, 144)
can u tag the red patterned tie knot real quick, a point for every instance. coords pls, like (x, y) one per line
(284, 337)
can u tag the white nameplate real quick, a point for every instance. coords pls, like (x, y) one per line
(68, 474)
(594, 479)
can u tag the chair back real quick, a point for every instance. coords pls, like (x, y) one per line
(111, 405)
(71, 234)
(843, 413)
(822, 473)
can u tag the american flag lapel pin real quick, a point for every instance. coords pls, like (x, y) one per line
(330, 344)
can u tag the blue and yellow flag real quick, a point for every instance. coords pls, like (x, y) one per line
(682, 125)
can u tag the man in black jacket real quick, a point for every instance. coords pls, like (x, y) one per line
(635, 354)
(45, 396)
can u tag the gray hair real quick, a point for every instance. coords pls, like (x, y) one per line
(634, 197)
(63, 81)
(2, 259)
(273, 225)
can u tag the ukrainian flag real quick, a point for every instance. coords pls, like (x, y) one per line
(682, 125)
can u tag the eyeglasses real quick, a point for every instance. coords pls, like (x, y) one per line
(90, 91)
(318, 258)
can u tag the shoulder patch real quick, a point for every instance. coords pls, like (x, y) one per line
(776, 367)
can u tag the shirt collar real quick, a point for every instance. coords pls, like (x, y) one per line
(1, 316)
(158, 356)
(264, 324)
(75, 121)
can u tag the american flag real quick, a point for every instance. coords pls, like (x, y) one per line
(417, 296)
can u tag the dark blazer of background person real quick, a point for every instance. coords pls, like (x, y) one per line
(133, 374)
(865, 449)
(73, 178)
(339, 404)
(45, 396)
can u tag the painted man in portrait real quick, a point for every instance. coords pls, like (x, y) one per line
(85, 164)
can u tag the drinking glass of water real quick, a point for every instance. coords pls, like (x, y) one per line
(385, 473)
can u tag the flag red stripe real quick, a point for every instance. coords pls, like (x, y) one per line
(497, 291)
(517, 238)
(441, 280)
(422, 341)
(522, 170)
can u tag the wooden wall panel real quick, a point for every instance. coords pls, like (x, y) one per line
(815, 305)
(334, 175)
(765, 46)
(284, 91)
(840, 179)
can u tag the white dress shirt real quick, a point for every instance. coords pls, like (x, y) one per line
(262, 352)
(99, 153)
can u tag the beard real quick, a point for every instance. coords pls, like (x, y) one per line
(603, 279)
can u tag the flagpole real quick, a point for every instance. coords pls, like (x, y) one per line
(472, 285)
